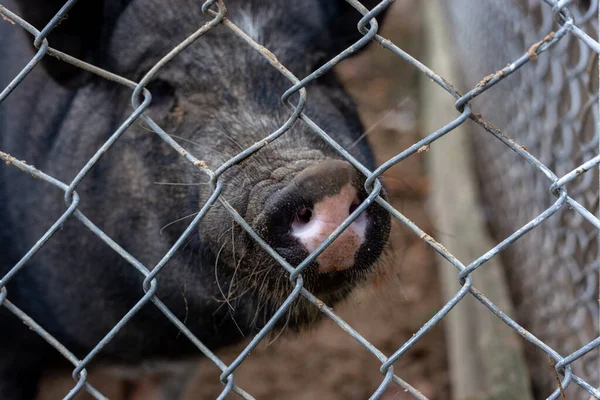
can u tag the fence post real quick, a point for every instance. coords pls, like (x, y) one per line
(486, 358)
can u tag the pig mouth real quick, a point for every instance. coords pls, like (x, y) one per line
(333, 285)
(331, 282)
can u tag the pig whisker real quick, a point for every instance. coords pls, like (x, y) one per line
(217, 275)
(280, 288)
(178, 220)
(182, 290)
(283, 328)
(237, 264)
(259, 306)
(232, 199)
(234, 280)
(262, 299)
(227, 134)
(230, 308)
(410, 187)
(196, 144)
(185, 140)
(216, 271)
(181, 183)
(390, 112)
(233, 241)
(250, 277)
(221, 237)
(234, 287)
(188, 241)
(143, 125)
(239, 295)
(281, 284)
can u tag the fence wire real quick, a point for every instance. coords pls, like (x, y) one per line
(567, 166)
(551, 109)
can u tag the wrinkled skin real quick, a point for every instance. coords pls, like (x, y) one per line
(215, 98)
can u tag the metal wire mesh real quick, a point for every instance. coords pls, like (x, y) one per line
(551, 109)
(575, 206)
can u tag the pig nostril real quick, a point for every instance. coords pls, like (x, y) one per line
(353, 208)
(304, 215)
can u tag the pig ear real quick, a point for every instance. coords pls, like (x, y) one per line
(78, 35)
(343, 22)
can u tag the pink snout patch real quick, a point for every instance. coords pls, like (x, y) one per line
(314, 226)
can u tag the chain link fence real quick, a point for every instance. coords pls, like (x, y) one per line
(551, 110)
(545, 144)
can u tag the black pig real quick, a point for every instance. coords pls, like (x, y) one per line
(217, 97)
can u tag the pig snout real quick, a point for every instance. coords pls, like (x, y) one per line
(311, 226)
(307, 210)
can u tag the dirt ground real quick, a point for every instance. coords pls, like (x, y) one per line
(326, 363)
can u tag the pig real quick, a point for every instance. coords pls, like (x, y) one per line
(216, 98)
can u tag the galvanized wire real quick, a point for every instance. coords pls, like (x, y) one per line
(551, 109)
(520, 226)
